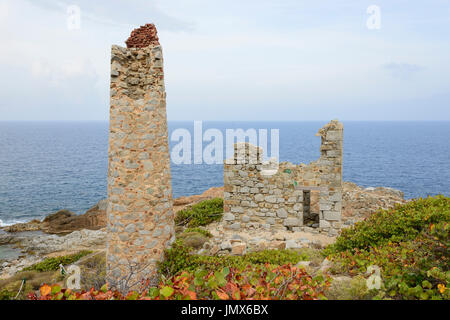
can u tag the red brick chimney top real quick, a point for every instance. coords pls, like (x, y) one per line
(143, 37)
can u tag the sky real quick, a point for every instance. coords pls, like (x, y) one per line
(285, 60)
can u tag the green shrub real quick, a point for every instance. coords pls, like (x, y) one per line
(33, 281)
(350, 289)
(415, 266)
(201, 214)
(399, 224)
(203, 232)
(179, 259)
(192, 239)
(93, 270)
(52, 264)
(6, 295)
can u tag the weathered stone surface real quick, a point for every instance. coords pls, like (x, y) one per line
(359, 203)
(282, 213)
(239, 249)
(77, 240)
(292, 244)
(308, 193)
(229, 216)
(292, 222)
(140, 205)
(142, 37)
(226, 245)
(235, 226)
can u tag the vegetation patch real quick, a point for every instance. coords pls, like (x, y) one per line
(93, 271)
(52, 264)
(253, 283)
(402, 223)
(413, 266)
(179, 259)
(33, 280)
(201, 214)
(202, 231)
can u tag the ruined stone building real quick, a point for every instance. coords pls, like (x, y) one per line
(140, 217)
(140, 209)
(281, 199)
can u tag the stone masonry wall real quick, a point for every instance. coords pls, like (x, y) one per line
(140, 206)
(253, 198)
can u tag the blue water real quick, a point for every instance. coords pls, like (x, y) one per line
(45, 167)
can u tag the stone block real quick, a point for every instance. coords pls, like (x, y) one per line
(292, 244)
(332, 215)
(235, 226)
(282, 213)
(271, 199)
(228, 216)
(324, 224)
(292, 222)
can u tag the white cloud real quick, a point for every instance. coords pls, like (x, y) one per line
(57, 74)
(227, 59)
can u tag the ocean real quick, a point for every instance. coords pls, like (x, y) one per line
(48, 166)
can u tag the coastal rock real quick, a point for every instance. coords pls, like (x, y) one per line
(6, 238)
(359, 203)
(64, 221)
(77, 240)
(93, 219)
(34, 225)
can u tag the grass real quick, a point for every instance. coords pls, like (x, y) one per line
(200, 214)
(52, 264)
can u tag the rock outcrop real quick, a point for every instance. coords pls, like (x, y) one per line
(77, 240)
(358, 202)
(64, 221)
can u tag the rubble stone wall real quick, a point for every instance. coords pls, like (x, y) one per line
(254, 197)
(140, 217)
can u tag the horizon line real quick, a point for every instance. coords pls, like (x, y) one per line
(240, 121)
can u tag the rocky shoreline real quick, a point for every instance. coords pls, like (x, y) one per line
(64, 232)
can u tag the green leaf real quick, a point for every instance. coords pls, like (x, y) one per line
(212, 283)
(133, 296)
(59, 296)
(198, 281)
(167, 291)
(153, 292)
(56, 289)
(225, 271)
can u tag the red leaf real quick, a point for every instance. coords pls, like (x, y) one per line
(222, 295)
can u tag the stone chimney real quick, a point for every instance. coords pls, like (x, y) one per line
(140, 205)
